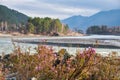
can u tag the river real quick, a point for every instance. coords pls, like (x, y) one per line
(7, 47)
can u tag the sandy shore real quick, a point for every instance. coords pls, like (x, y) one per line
(16, 34)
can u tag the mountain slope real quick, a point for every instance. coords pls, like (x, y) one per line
(12, 16)
(75, 21)
(109, 18)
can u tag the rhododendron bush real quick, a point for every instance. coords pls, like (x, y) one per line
(46, 64)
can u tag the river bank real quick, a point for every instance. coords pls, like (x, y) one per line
(17, 34)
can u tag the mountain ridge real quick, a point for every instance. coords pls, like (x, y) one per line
(109, 18)
(12, 16)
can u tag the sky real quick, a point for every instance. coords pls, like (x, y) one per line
(60, 8)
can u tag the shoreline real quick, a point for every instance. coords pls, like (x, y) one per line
(20, 35)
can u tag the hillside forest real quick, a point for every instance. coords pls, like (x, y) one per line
(36, 26)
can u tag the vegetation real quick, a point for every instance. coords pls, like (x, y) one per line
(11, 16)
(103, 30)
(46, 64)
(13, 21)
(45, 26)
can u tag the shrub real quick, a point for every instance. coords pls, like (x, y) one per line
(46, 64)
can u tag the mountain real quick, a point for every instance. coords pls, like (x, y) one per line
(11, 15)
(75, 21)
(109, 18)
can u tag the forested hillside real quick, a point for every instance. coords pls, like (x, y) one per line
(14, 21)
(12, 16)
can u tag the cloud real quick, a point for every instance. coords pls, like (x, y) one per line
(60, 8)
(99, 4)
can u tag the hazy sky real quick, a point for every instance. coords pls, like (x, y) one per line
(61, 8)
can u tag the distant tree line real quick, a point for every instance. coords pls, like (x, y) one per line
(103, 30)
(36, 26)
(45, 26)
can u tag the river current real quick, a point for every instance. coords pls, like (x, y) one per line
(7, 46)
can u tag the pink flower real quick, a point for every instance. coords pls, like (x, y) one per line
(88, 54)
(91, 50)
(68, 68)
(40, 49)
(52, 68)
(82, 55)
(39, 56)
(55, 71)
(51, 49)
(37, 68)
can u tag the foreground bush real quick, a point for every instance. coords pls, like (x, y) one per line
(46, 64)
